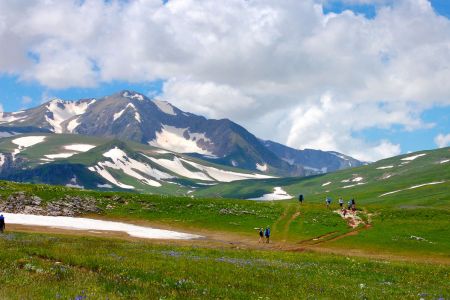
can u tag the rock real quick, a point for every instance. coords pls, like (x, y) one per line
(20, 202)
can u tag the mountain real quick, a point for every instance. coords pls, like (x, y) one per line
(404, 179)
(314, 161)
(108, 164)
(131, 116)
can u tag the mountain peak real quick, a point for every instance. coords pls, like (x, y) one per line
(133, 95)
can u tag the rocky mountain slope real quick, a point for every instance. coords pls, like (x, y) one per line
(315, 161)
(131, 116)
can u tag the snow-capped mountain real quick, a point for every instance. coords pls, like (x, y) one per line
(132, 116)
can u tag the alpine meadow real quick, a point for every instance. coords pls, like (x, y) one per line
(195, 149)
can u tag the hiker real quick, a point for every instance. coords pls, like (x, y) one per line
(328, 201)
(341, 202)
(267, 234)
(353, 204)
(349, 204)
(300, 198)
(2, 223)
(261, 235)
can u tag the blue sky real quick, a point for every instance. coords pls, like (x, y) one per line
(265, 98)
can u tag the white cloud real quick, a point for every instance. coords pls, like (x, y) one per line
(265, 63)
(208, 98)
(442, 140)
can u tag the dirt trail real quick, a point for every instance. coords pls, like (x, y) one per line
(214, 239)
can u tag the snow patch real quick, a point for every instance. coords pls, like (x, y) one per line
(411, 158)
(385, 167)
(74, 183)
(326, 183)
(73, 124)
(177, 167)
(79, 147)
(444, 161)
(262, 168)
(92, 224)
(28, 141)
(64, 110)
(174, 139)
(2, 159)
(25, 142)
(353, 185)
(59, 155)
(357, 179)
(8, 118)
(225, 176)
(105, 186)
(278, 194)
(131, 167)
(412, 187)
(165, 107)
(106, 175)
(120, 113)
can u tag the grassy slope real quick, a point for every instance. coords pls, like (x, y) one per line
(422, 170)
(35, 266)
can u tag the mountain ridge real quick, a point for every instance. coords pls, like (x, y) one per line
(131, 116)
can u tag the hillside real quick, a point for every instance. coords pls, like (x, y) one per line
(108, 164)
(412, 178)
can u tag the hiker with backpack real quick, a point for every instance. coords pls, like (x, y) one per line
(341, 202)
(261, 235)
(353, 204)
(2, 223)
(328, 201)
(300, 198)
(267, 234)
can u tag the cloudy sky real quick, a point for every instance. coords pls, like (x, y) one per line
(369, 78)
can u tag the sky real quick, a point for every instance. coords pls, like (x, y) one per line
(368, 78)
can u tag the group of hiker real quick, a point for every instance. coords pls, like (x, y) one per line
(351, 206)
(264, 233)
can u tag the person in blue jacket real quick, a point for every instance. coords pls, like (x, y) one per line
(267, 234)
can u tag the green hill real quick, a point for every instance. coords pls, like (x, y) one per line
(421, 179)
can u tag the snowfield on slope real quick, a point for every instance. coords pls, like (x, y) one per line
(412, 187)
(92, 224)
(278, 194)
(79, 147)
(177, 167)
(26, 141)
(65, 110)
(385, 167)
(411, 158)
(223, 175)
(120, 161)
(173, 139)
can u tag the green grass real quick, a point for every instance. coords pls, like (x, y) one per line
(391, 231)
(35, 266)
